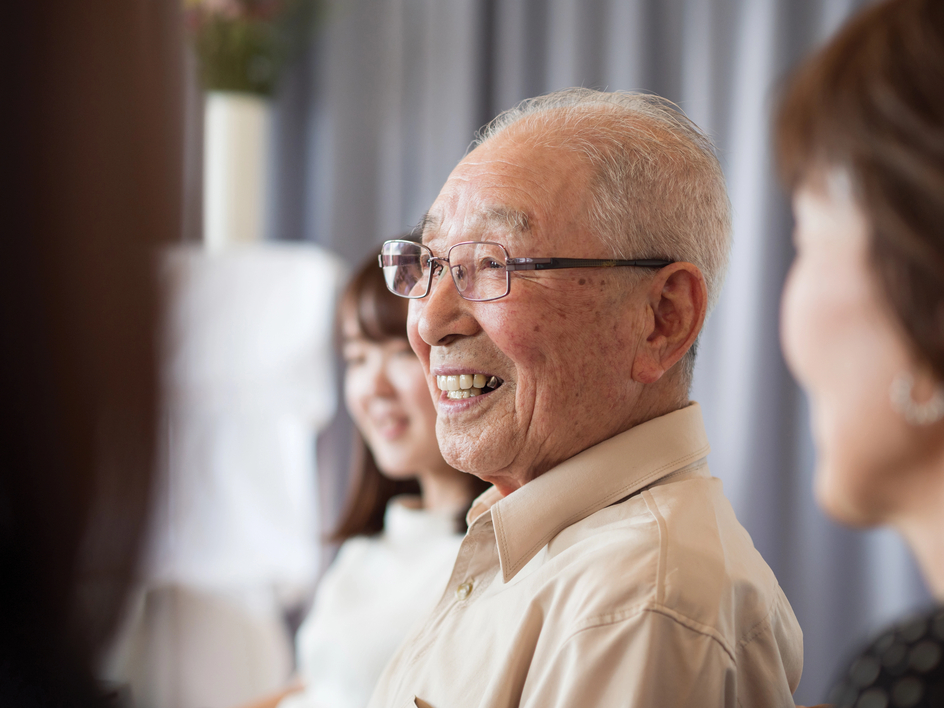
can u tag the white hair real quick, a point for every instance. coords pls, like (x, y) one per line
(658, 188)
(659, 191)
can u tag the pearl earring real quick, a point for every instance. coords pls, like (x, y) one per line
(927, 413)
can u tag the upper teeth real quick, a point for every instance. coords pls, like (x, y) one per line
(465, 385)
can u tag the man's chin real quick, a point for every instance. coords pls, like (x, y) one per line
(469, 454)
(501, 478)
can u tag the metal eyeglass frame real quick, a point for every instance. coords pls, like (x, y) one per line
(513, 264)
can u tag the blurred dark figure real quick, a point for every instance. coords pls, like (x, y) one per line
(91, 184)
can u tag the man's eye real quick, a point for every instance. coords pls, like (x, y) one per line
(491, 263)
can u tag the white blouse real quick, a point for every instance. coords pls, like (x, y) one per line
(367, 602)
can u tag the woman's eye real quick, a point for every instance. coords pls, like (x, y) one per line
(353, 356)
(402, 349)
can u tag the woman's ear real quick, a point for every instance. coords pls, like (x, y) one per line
(677, 305)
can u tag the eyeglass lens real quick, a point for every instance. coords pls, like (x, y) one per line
(477, 269)
(406, 268)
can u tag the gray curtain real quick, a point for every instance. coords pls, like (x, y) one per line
(373, 118)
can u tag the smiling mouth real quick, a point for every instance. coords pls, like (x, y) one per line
(389, 421)
(461, 386)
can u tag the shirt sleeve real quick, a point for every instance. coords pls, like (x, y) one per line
(645, 659)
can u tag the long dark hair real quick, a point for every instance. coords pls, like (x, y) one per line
(871, 101)
(380, 316)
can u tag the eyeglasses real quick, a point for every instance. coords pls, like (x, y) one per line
(481, 270)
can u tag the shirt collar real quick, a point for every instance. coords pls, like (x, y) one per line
(527, 519)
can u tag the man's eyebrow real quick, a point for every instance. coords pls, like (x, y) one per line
(507, 217)
(427, 221)
(503, 217)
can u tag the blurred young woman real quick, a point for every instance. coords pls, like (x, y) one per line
(406, 512)
(861, 144)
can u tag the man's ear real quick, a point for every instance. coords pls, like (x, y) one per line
(677, 301)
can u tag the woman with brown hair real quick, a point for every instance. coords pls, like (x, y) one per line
(406, 512)
(861, 144)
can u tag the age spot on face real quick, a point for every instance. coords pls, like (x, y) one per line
(537, 328)
(583, 281)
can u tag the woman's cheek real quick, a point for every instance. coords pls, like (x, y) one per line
(354, 398)
(798, 321)
(408, 378)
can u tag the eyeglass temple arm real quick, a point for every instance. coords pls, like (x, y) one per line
(557, 263)
(540, 263)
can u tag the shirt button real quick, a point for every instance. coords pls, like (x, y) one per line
(464, 590)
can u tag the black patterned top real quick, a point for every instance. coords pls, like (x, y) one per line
(903, 668)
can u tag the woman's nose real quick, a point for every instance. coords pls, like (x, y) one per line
(381, 381)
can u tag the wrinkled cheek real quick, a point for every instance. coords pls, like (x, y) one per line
(420, 348)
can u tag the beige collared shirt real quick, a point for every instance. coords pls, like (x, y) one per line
(619, 578)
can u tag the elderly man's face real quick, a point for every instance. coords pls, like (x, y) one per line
(562, 343)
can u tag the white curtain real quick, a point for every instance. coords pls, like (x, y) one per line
(372, 120)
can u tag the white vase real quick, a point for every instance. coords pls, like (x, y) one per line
(235, 160)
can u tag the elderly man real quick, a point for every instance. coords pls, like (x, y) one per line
(564, 275)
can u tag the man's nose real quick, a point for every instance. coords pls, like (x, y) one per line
(444, 314)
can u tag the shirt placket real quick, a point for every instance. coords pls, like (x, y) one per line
(475, 567)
